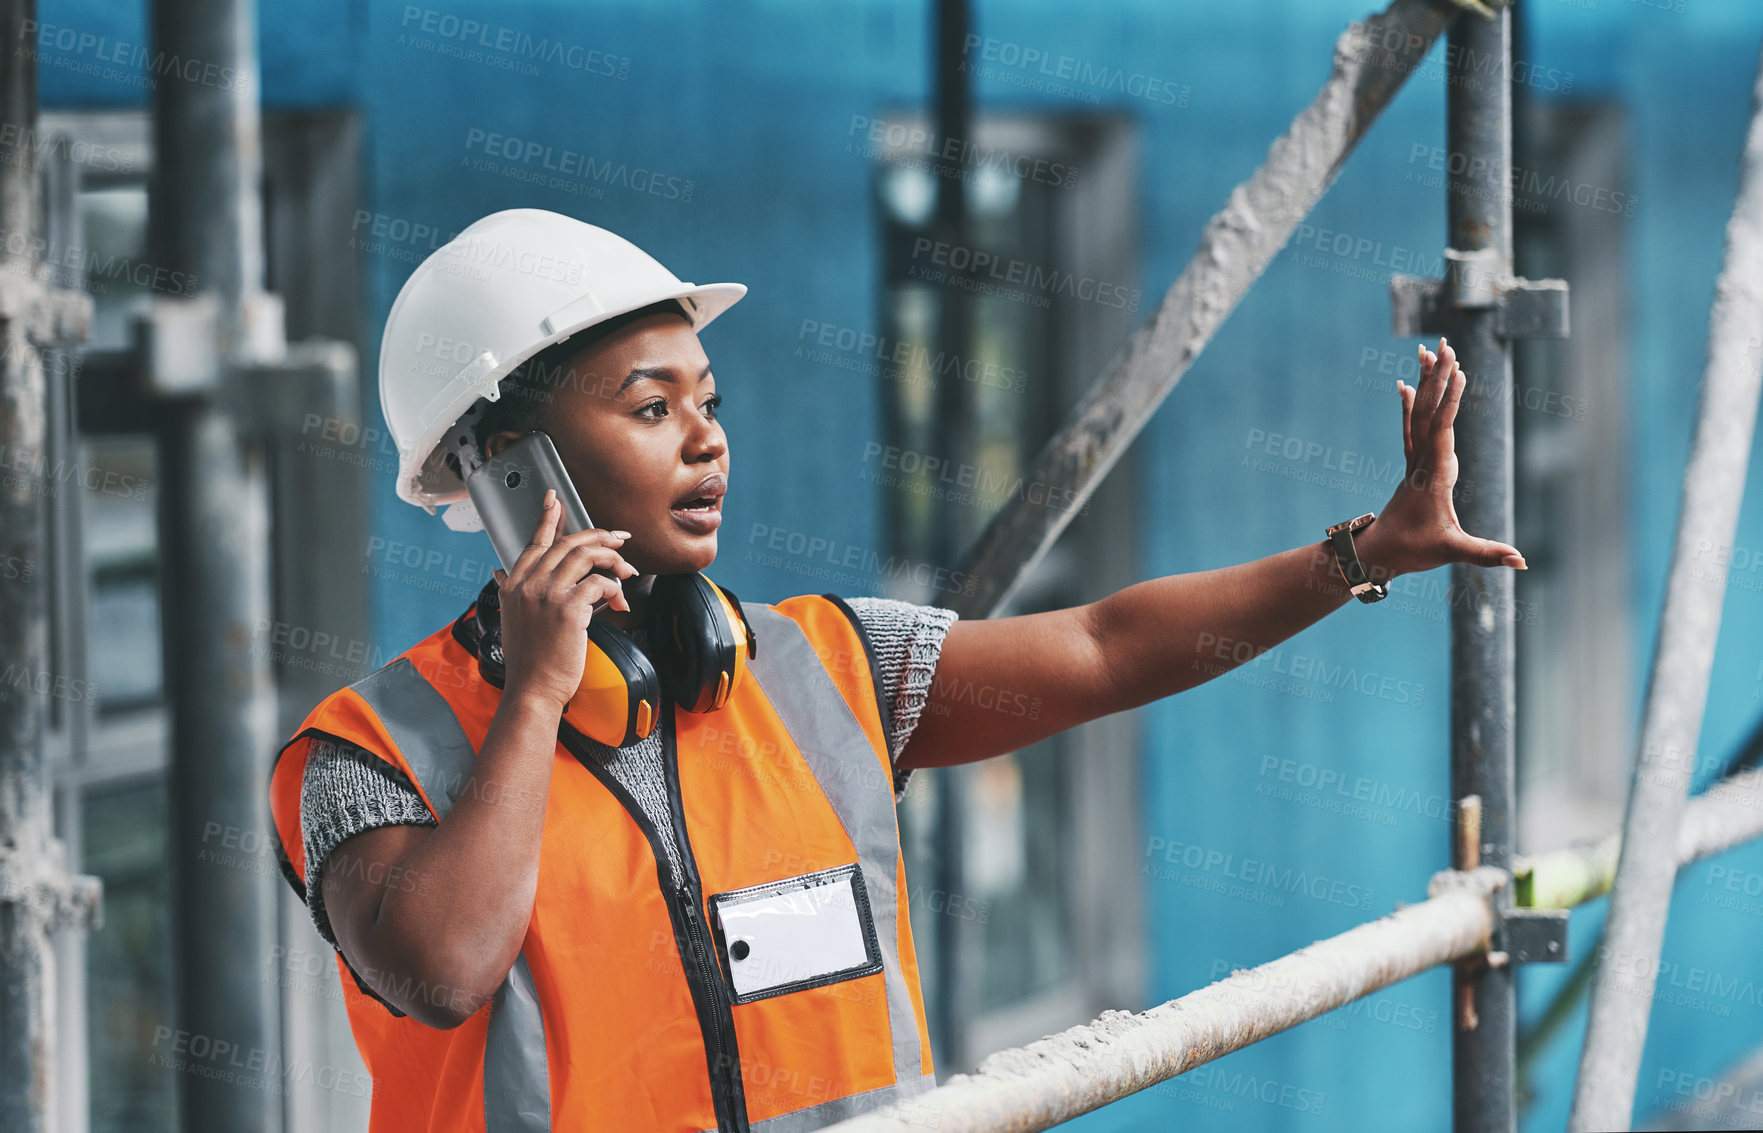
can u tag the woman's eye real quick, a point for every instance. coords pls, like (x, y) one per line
(660, 408)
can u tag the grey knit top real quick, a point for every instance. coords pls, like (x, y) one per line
(346, 790)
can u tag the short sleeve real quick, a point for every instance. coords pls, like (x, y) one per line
(343, 792)
(907, 639)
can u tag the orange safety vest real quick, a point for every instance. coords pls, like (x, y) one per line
(620, 1012)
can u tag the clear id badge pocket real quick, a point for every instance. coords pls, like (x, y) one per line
(795, 934)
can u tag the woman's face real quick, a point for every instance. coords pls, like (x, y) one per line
(634, 419)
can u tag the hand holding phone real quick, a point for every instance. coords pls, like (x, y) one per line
(558, 570)
(548, 600)
(509, 492)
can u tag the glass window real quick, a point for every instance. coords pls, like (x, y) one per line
(1005, 908)
(119, 500)
(1019, 834)
(113, 252)
(1571, 435)
(128, 960)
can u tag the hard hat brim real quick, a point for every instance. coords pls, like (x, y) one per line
(424, 478)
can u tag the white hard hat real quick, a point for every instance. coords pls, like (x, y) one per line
(499, 292)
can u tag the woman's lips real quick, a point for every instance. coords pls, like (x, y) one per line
(701, 519)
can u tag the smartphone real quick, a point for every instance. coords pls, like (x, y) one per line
(509, 494)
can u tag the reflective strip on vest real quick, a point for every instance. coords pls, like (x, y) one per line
(427, 733)
(517, 1075)
(821, 724)
(841, 1109)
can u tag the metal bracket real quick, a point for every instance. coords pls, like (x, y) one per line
(1534, 936)
(58, 899)
(1527, 308)
(177, 342)
(52, 317)
(306, 395)
(1534, 308)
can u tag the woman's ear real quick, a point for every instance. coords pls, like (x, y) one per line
(496, 442)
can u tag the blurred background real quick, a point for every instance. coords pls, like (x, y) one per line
(779, 143)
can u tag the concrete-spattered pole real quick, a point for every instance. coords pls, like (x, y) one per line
(25, 956)
(1085, 1068)
(37, 894)
(1063, 1076)
(1729, 813)
(1478, 137)
(205, 220)
(1677, 690)
(1371, 61)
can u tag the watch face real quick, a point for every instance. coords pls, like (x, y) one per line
(1353, 524)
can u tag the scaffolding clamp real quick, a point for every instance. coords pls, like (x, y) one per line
(1534, 936)
(1516, 935)
(39, 883)
(1475, 280)
(50, 316)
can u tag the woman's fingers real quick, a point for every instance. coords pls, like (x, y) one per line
(593, 589)
(1447, 414)
(1438, 373)
(1489, 553)
(554, 554)
(1431, 392)
(544, 534)
(584, 561)
(1406, 393)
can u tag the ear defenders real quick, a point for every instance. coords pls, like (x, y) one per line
(699, 639)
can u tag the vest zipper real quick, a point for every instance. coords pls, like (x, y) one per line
(725, 1071)
(725, 1056)
(679, 892)
(710, 997)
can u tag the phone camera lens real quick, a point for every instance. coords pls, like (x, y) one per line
(512, 479)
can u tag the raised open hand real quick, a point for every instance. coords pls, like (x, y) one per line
(1418, 528)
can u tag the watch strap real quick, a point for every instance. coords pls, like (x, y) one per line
(1346, 555)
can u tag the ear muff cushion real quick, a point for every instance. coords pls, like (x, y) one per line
(690, 638)
(489, 648)
(616, 679)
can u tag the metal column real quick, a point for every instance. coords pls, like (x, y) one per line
(952, 438)
(1683, 661)
(1480, 306)
(1483, 649)
(205, 219)
(37, 895)
(25, 958)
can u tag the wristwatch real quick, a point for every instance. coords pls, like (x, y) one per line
(1346, 558)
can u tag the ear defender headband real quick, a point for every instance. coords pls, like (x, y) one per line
(700, 640)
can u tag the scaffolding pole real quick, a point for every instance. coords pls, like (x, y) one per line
(1729, 813)
(37, 894)
(1677, 689)
(953, 435)
(1478, 138)
(1371, 61)
(205, 220)
(1069, 1074)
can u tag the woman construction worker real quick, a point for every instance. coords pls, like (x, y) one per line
(680, 905)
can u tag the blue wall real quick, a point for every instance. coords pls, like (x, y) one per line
(752, 103)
